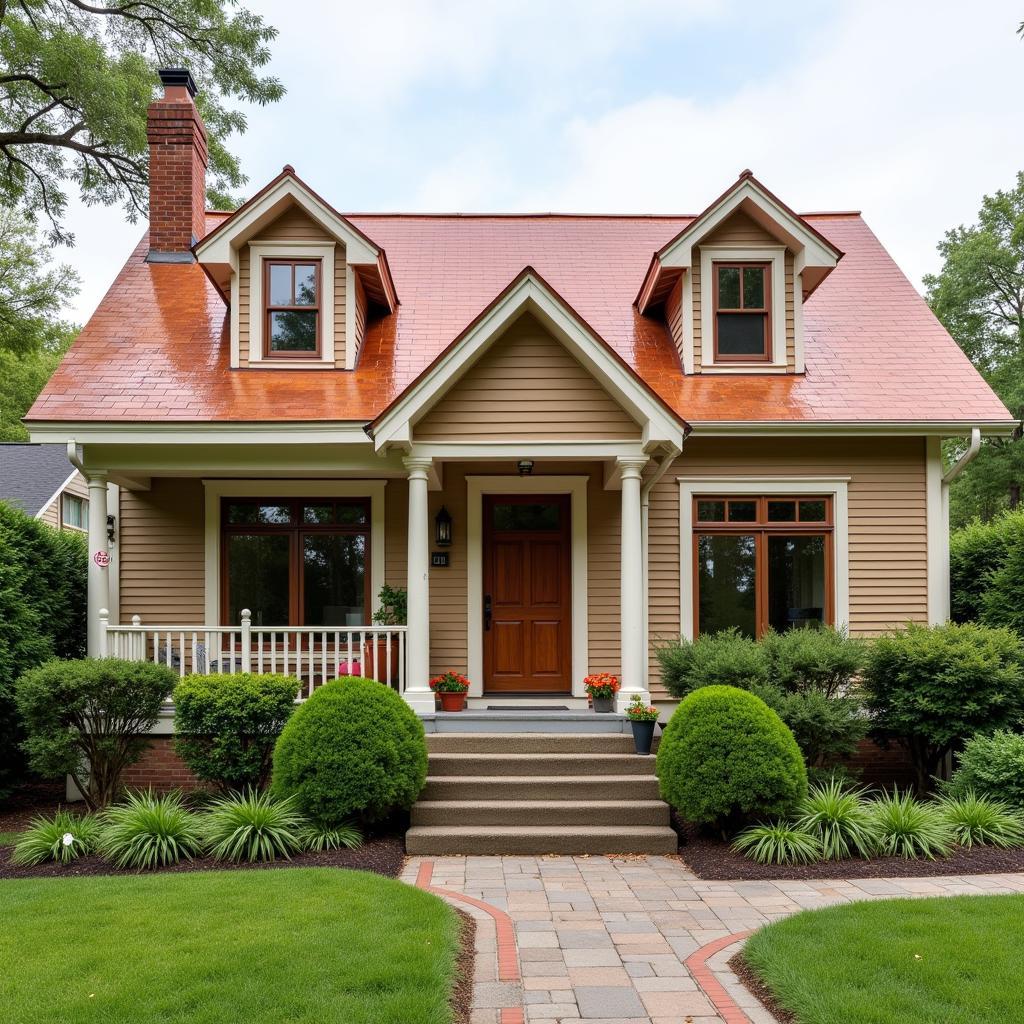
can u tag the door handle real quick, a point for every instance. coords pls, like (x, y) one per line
(487, 611)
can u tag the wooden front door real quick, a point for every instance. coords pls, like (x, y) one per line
(527, 556)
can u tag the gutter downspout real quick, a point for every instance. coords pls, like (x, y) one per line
(948, 477)
(74, 459)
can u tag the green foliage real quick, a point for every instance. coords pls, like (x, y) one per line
(149, 831)
(906, 827)
(90, 719)
(823, 661)
(976, 551)
(393, 610)
(254, 826)
(344, 837)
(727, 658)
(778, 843)
(226, 725)
(1003, 602)
(62, 838)
(991, 766)
(928, 688)
(354, 750)
(840, 819)
(981, 821)
(826, 729)
(42, 614)
(76, 82)
(22, 377)
(725, 756)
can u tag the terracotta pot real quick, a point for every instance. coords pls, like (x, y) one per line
(387, 668)
(451, 701)
(603, 705)
(643, 736)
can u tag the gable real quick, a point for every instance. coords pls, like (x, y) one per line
(740, 229)
(526, 386)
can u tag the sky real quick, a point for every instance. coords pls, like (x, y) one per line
(907, 111)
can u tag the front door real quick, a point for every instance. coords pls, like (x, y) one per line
(527, 593)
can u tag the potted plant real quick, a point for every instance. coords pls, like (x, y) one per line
(451, 688)
(392, 612)
(601, 689)
(642, 718)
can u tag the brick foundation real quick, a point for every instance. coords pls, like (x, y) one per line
(160, 769)
(882, 767)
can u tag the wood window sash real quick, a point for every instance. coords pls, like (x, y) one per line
(269, 308)
(765, 312)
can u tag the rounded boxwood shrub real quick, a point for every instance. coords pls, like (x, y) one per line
(355, 749)
(725, 757)
(226, 725)
(991, 766)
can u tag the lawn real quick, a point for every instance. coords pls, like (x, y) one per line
(932, 961)
(293, 946)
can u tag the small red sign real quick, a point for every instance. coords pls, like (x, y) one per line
(102, 559)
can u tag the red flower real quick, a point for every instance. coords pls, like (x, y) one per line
(601, 684)
(449, 682)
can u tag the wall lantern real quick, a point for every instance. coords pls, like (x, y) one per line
(525, 467)
(443, 528)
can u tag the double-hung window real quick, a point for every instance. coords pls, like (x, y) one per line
(74, 512)
(762, 562)
(292, 291)
(742, 311)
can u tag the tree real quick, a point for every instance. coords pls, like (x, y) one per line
(979, 297)
(76, 78)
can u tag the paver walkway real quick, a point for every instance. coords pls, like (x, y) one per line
(604, 940)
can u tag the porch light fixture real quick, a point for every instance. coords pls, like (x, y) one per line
(443, 528)
(525, 467)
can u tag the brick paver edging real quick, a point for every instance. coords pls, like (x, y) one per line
(697, 965)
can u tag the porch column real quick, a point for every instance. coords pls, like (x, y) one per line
(417, 647)
(99, 560)
(631, 583)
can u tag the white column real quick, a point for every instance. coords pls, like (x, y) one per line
(417, 648)
(631, 583)
(99, 560)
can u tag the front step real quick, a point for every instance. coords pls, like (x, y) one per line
(540, 812)
(546, 764)
(434, 840)
(523, 722)
(529, 743)
(537, 787)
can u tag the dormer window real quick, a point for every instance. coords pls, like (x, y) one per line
(742, 312)
(292, 290)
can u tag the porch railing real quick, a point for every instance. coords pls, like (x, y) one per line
(313, 654)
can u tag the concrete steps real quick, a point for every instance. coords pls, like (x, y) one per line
(538, 792)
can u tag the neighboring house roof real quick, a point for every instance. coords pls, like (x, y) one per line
(157, 348)
(33, 475)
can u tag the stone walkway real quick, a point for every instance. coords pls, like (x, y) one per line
(605, 940)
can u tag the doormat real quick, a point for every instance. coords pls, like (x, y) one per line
(527, 707)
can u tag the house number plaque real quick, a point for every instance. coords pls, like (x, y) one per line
(439, 559)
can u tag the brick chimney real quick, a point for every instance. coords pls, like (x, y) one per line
(177, 169)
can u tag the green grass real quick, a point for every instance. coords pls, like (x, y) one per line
(948, 960)
(296, 946)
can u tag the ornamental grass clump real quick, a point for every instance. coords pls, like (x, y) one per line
(254, 826)
(981, 821)
(840, 818)
(318, 840)
(62, 838)
(149, 831)
(778, 842)
(907, 827)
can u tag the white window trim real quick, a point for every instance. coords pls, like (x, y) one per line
(836, 487)
(217, 489)
(476, 488)
(260, 251)
(65, 496)
(776, 256)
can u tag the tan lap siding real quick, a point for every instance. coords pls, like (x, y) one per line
(161, 551)
(526, 387)
(887, 521)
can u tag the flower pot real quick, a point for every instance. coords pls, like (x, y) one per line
(452, 701)
(375, 652)
(603, 705)
(643, 736)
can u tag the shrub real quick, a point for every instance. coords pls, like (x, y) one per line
(344, 837)
(906, 827)
(89, 719)
(778, 843)
(254, 826)
(840, 819)
(726, 756)
(148, 831)
(714, 659)
(354, 750)
(980, 821)
(825, 728)
(226, 725)
(1003, 601)
(62, 838)
(976, 552)
(824, 661)
(928, 688)
(991, 766)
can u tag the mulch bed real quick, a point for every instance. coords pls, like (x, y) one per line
(29, 802)
(465, 966)
(739, 966)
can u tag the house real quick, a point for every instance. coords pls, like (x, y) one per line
(39, 480)
(567, 436)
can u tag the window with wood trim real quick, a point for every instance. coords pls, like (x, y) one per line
(296, 561)
(742, 293)
(761, 562)
(291, 291)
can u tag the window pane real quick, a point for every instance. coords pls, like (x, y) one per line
(539, 516)
(334, 575)
(711, 511)
(280, 285)
(351, 514)
(726, 579)
(258, 578)
(753, 288)
(781, 511)
(75, 512)
(812, 511)
(318, 513)
(742, 511)
(796, 582)
(305, 284)
(251, 512)
(293, 332)
(741, 334)
(728, 287)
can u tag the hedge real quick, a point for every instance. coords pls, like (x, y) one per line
(976, 553)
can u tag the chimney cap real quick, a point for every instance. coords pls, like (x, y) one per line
(179, 77)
